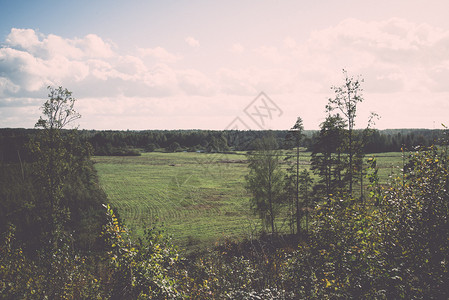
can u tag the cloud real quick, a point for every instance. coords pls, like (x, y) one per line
(192, 42)
(159, 54)
(23, 38)
(45, 47)
(250, 81)
(30, 61)
(193, 82)
(270, 53)
(7, 87)
(289, 43)
(396, 55)
(94, 46)
(237, 48)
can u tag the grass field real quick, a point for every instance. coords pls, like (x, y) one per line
(200, 198)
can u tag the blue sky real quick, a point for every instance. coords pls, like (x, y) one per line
(202, 64)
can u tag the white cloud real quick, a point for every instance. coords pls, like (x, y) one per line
(7, 87)
(237, 48)
(29, 62)
(270, 53)
(289, 43)
(160, 76)
(193, 82)
(250, 81)
(393, 55)
(55, 45)
(23, 38)
(159, 54)
(93, 46)
(192, 42)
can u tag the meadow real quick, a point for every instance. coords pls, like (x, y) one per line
(199, 198)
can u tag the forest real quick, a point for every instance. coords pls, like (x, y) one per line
(61, 238)
(125, 143)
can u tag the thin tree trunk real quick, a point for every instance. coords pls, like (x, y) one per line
(298, 217)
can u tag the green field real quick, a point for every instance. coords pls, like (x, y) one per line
(200, 198)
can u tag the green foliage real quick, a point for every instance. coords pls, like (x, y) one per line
(347, 97)
(56, 157)
(252, 269)
(124, 270)
(138, 271)
(394, 246)
(417, 239)
(328, 159)
(54, 193)
(174, 147)
(58, 274)
(265, 181)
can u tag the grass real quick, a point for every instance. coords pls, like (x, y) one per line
(200, 198)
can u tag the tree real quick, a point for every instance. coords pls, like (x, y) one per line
(347, 96)
(58, 110)
(305, 183)
(295, 134)
(174, 147)
(265, 180)
(328, 161)
(56, 157)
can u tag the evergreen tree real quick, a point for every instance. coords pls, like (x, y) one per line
(328, 159)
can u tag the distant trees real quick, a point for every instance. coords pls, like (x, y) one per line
(265, 180)
(174, 147)
(110, 142)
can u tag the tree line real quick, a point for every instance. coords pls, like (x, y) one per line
(119, 143)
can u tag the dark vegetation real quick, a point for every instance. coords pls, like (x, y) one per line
(61, 240)
(118, 143)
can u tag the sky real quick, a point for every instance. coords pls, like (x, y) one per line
(217, 65)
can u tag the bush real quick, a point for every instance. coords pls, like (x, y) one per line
(394, 246)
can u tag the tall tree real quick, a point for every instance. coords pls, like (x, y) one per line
(305, 183)
(295, 134)
(265, 180)
(55, 157)
(346, 98)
